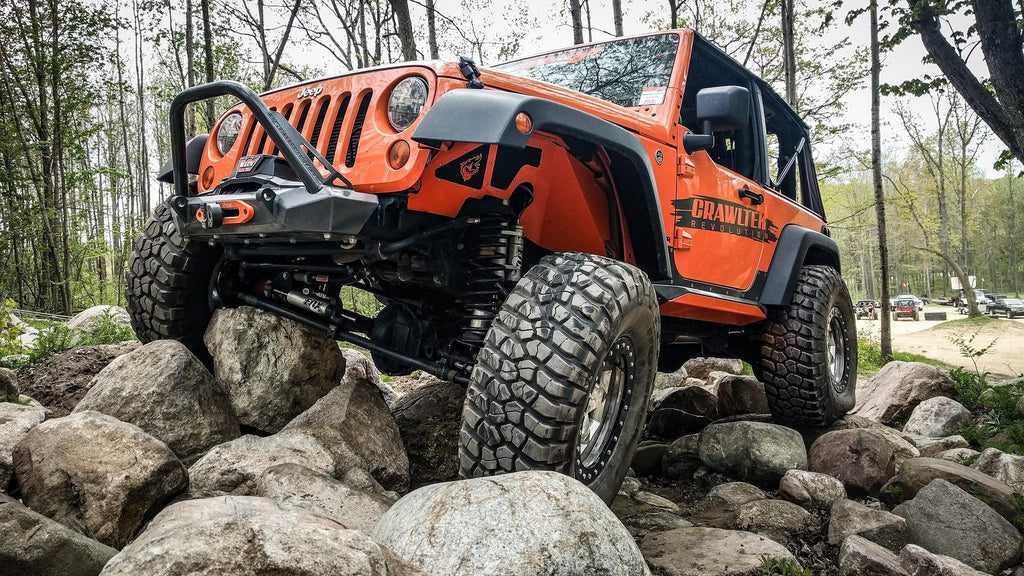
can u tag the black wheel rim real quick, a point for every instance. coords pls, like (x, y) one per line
(605, 413)
(837, 348)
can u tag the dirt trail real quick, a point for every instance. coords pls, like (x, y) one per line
(933, 339)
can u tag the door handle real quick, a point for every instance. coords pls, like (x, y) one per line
(754, 197)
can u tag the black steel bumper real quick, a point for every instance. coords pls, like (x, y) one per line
(311, 207)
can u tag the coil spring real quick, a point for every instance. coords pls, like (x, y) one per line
(493, 267)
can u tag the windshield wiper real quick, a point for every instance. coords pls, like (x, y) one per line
(789, 163)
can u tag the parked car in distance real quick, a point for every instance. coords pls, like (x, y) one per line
(905, 308)
(867, 309)
(918, 303)
(1008, 307)
(960, 300)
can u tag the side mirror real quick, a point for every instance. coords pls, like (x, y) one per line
(719, 109)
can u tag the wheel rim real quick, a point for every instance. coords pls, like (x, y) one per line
(836, 345)
(604, 415)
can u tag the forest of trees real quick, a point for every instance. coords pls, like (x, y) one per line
(85, 87)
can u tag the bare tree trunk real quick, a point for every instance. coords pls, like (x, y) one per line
(190, 69)
(673, 13)
(432, 31)
(789, 51)
(405, 33)
(617, 16)
(590, 27)
(211, 111)
(576, 13)
(876, 180)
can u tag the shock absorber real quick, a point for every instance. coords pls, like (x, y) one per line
(493, 266)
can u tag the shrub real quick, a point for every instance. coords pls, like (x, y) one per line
(771, 566)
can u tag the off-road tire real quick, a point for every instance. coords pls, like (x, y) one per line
(539, 364)
(794, 357)
(168, 284)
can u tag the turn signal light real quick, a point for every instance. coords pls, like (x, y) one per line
(208, 178)
(524, 123)
(398, 154)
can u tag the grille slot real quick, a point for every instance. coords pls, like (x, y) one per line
(325, 103)
(302, 116)
(262, 141)
(287, 114)
(332, 142)
(357, 130)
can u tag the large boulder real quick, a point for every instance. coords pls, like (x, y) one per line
(849, 518)
(96, 474)
(691, 399)
(429, 419)
(354, 424)
(62, 380)
(32, 544)
(917, 561)
(236, 467)
(937, 418)
(894, 392)
(273, 368)
(862, 459)
(303, 487)
(682, 458)
(664, 380)
(917, 473)
(1008, 468)
(514, 524)
(811, 490)
(165, 390)
(704, 551)
(754, 452)
(360, 366)
(703, 367)
(9, 386)
(932, 446)
(901, 446)
(779, 520)
(946, 520)
(88, 321)
(16, 420)
(239, 535)
(741, 395)
(862, 557)
(965, 456)
(721, 505)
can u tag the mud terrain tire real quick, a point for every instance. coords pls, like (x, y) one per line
(168, 283)
(576, 329)
(802, 388)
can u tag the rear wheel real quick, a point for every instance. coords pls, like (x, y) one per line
(565, 374)
(168, 285)
(809, 351)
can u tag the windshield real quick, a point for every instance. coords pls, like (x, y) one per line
(1013, 301)
(630, 72)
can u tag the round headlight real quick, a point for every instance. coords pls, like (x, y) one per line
(406, 102)
(228, 131)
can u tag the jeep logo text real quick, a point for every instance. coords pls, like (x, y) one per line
(310, 92)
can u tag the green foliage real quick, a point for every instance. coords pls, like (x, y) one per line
(8, 332)
(966, 343)
(771, 566)
(106, 330)
(997, 423)
(869, 356)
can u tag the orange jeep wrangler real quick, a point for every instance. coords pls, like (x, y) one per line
(548, 232)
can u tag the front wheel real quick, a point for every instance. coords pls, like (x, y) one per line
(564, 376)
(809, 351)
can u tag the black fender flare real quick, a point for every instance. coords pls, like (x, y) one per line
(193, 157)
(488, 117)
(797, 247)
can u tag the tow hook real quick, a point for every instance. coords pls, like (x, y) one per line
(210, 215)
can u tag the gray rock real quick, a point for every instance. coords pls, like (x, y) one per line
(946, 520)
(741, 395)
(239, 535)
(165, 390)
(721, 505)
(15, 422)
(514, 524)
(61, 381)
(752, 451)
(639, 525)
(931, 446)
(236, 467)
(860, 458)
(861, 557)
(1008, 468)
(273, 368)
(776, 519)
(849, 518)
(354, 424)
(811, 490)
(96, 475)
(87, 321)
(647, 458)
(894, 392)
(901, 447)
(704, 551)
(664, 380)
(32, 544)
(917, 473)
(696, 382)
(429, 419)
(671, 423)
(965, 456)
(682, 458)
(917, 561)
(8, 386)
(703, 367)
(690, 399)
(302, 487)
(937, 418)
(641, 502)
(360, 366)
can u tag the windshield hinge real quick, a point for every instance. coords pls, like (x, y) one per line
(470, 72)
